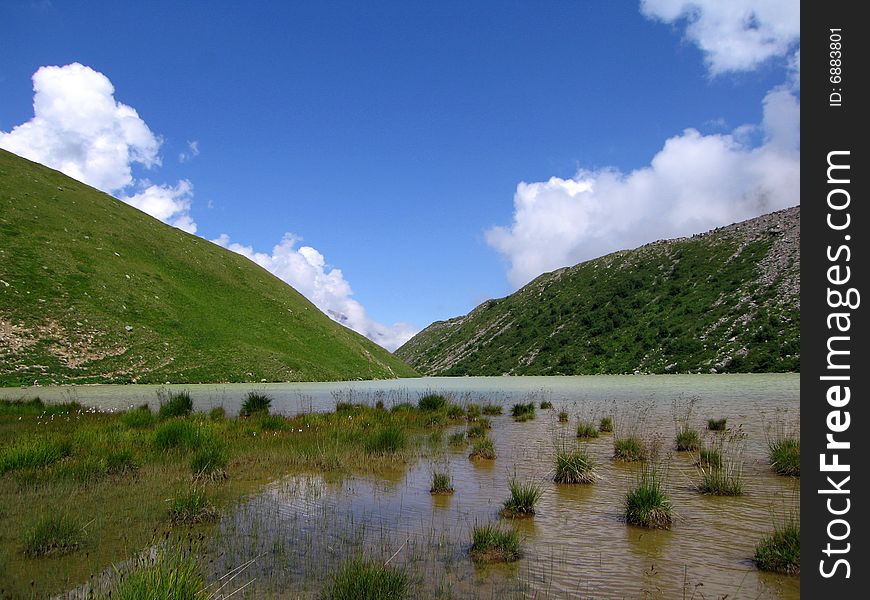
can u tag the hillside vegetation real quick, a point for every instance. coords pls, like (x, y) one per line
(723, 301)
(93, 290)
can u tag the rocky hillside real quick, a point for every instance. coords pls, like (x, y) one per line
(93, 290)
(723, 301)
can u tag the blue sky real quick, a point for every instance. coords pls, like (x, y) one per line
(392, 138)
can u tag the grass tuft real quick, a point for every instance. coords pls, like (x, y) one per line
(629, 449)
(454, 412)
(176, 434)
(53, 535)
(120, 461)
(709, 457)
(492, 410)
(218, 413)
(169, 575)
(33, 453)
(388, 440)
(190, 507)
(457, 439)
(472, 412)
(483, 449)
(574, 466)
(524, 496)
(273, 423)
(255, 403)
(138, 418)
(441, 484)
(523, 412)
(209, 462)
(363, 579)
(178, 404)
(546, 404)
(784, 453)
(431, 402)
(781, 552)
(687, 440)
(717, 424)
(605, 425)
(491, 543)
(586, 430)
(647, 505)
(563, 416)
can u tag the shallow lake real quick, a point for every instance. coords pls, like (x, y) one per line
(576, 546)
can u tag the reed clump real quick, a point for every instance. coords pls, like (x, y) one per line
(605, 425)
(781, 551)
(175, 404)
(524, 496)
(256, 403)
(441, 483)
(647, 504)
(492, 543)
(586, 430)
(717, 424)
(53, 535)
(492, 410)
(364, 579)
(574, 466)
(483, 449)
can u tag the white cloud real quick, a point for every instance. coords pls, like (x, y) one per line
(167, 203)
(735, 35)
(191, 152)
(80, 129)
(305, 269)
(694, 183)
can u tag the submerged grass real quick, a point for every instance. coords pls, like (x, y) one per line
(364, 579)
(491, 543)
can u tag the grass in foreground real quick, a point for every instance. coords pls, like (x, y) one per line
(170, 575)
(524, 496)
(363, 579)
(781, 552)
(491, 543)
(53, 535)
(574, 466)
(647, 504)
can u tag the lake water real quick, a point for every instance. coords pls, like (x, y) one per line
(576, 546)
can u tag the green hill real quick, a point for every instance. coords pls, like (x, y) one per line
(724, 301)
(93, 290)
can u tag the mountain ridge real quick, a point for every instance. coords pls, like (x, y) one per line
(747, 274)
(93, 290)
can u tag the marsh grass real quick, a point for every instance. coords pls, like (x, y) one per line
(33, 453)
(483, 449)
(174, 404)
(455, 412)
(781, 551)
(574, 465)
(191, 506)
(546, 404)
(586, 430)
(255, 403)
(523, 412)
(218, 413)
(180, 434)
(524, 496)
(647, 503)
(209, 462)
(492, 410)
(388, 440)
(457, 439)
(431, 402)
(53, 535)
(36, 407)
(476, 432)
(784, 454)
(273, 423)
(629, 449)
(441, 483)
(492, 543)
(717, 424)
(563, 416)
(364, 579)
(725, 476)
(472, 412)
(605, 425)
(120, 461)
(171, 574)
(687, 440)
(709, 457)
(139, 418)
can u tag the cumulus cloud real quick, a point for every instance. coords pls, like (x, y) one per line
(735, 35)
(694, 183)
(80, 129)
(191, 152)
(306, 269)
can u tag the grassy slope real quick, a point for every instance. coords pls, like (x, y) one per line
(77, 267)
(724, 300)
